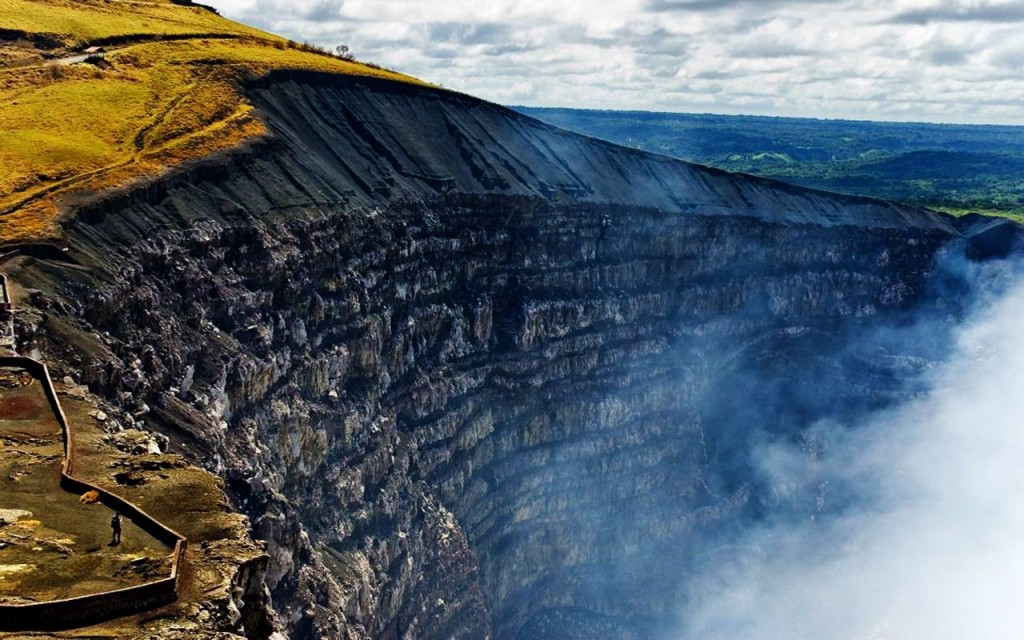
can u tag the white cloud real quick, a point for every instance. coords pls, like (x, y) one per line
(898, 59)
(931, 546)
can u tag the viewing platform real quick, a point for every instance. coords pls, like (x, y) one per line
(59, 566)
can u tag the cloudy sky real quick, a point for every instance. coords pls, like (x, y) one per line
(931, 60)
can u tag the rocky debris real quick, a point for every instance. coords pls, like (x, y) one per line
(27, 533)
(136, 442)
(13, 379)
(149, 463)
(145, 568)
(68, 387)
(10, 516)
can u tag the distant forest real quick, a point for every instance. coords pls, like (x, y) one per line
(954, 168)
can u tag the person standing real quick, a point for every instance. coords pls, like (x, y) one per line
(115, 526)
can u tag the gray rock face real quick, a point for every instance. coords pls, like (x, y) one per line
(471, 375)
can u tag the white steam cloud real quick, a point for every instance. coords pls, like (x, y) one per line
(934, 546)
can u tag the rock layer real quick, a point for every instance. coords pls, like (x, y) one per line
(470, 375)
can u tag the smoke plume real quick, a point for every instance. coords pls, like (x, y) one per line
(919, 531)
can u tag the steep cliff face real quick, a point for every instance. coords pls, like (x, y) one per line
(472, 376)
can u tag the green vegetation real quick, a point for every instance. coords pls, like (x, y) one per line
(166, 91)
(953, 168)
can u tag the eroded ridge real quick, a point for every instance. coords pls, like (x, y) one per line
(59, 566)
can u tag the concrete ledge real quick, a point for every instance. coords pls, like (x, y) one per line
(84, 610)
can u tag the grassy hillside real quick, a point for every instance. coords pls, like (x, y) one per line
(955, 168)
(166, 91)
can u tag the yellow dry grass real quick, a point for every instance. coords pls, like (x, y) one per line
(81, 21)
(75, 128)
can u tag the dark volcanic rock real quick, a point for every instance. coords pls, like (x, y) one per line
(466, 372)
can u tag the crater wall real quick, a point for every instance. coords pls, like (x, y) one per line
(472, 376)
